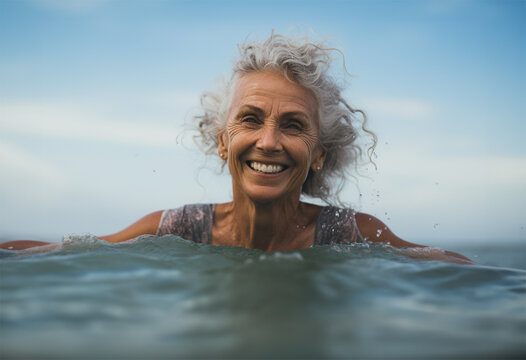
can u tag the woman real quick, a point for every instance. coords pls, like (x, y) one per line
(283, 129)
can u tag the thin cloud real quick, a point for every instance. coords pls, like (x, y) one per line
(470, 170)
(446, 197)
(15, 159)
(418, 178)
(71, 121)
(26, 175)
(403, 108)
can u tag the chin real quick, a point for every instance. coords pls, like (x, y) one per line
(265, 195)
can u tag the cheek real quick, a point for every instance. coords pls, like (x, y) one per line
(237, 137)
(238, 141)
(310, 143)
(233, 130)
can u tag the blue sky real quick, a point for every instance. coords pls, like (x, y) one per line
(94, 96)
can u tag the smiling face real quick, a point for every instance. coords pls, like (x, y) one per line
(271, 137)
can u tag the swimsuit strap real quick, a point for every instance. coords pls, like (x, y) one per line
(194, 222)
(336, 226)
(191, 222)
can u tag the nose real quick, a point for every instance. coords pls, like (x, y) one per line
(269, 139)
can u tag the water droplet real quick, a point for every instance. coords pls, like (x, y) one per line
(378, 232)
(435, 226)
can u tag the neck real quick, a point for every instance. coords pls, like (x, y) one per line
(267, 226)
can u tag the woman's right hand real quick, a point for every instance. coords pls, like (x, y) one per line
(30, 246)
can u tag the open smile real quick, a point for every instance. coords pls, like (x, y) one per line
(266, 168)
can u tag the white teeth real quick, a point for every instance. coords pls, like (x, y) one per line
(264, 168)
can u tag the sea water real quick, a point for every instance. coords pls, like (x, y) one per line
(165, 297)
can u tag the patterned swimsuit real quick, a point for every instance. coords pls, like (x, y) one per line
(194, 222)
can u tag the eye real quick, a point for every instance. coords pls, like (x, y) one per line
(294, 125)
(250, 119)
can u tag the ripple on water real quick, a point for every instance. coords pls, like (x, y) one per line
(168, 297)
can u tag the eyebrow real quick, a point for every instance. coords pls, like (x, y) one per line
(260, 111)
(251, 108)
(295, 114)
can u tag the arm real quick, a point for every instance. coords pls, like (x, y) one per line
(26, 244)
(372, 229)
(146, 225)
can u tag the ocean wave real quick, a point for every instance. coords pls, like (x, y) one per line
(169, 297)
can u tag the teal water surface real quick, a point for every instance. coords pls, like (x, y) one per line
(171, 298)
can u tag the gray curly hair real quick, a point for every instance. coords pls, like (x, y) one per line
(306, 64)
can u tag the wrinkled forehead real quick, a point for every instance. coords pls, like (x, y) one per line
(271, 88)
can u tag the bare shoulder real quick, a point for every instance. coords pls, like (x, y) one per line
(147, 225)
(373, 229)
